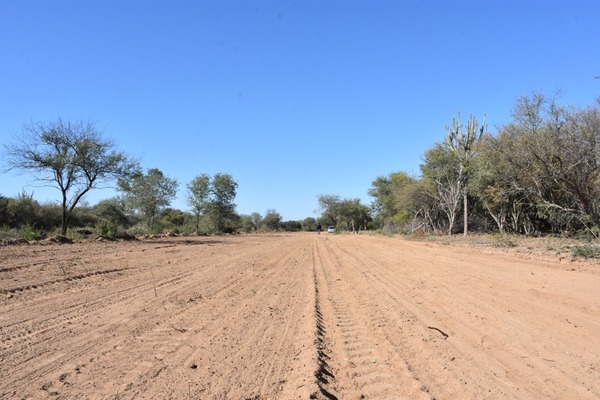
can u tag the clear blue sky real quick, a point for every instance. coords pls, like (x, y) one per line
(292, 98)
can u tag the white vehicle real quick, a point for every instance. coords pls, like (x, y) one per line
(331, 229)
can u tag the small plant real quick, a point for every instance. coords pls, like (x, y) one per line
(107, 229)
(586, 251)
(28, 232)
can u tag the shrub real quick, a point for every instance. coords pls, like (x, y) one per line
(107, 229)
(29, 232)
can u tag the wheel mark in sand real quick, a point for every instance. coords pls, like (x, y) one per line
(364, 362)
(66, 279)
(325, 377)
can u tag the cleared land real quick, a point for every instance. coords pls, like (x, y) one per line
(295, 316)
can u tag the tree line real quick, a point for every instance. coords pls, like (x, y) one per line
(539, 173)
(75, 158)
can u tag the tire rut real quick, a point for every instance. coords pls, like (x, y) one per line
(355, 361)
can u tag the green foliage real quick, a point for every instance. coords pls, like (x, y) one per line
(272, 220)
(221, 209)
(49, 217)
(309, 224)
(198, 196)
(401, 217)
(391, 197)
(173, 219)
(348, 214)
(256, 220)
(4, 210)
(246, 224)
(586, 251)
(107, 229)
(73, 157)
(214, 199)
(464, 143)
(149, 194)
(22, 210)
(114, 210)
(29, 232)
(291, 226)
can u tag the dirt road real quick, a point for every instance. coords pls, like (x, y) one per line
(294, 316)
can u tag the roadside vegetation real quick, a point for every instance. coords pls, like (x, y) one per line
(538, 174)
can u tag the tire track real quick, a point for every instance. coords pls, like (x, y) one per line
(356, 361)
(69, 278)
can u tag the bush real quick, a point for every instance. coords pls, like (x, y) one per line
(107, 229)
(29, 232)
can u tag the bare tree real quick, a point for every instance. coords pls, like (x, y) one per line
(557, 152)
(443, 180)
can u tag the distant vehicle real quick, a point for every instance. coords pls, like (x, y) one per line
(331, 229)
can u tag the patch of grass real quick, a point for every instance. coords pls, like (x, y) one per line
(504, 241)
(586, 251)
(9, 233)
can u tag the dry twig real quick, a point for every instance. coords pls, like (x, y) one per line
(440, 331)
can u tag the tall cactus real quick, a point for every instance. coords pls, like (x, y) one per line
(463, 143)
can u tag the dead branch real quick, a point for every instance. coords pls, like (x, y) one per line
(440, 331)
(181, 330)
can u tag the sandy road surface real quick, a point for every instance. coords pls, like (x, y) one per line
(294, 317)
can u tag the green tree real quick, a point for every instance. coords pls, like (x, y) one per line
(113, 210)
(354, 215)
(256, 220)
(350, 214)
(329, 204)
(221, 206)
(309, 224)
(499, 187)
(272, 220)
(199, 190)
(389, 205)
(73, 157)
(149, 193)
(173, 218)
(463, 143)
(291, 226)
(246, 223)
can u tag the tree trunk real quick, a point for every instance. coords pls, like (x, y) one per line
(65, 218)
(466, 215)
